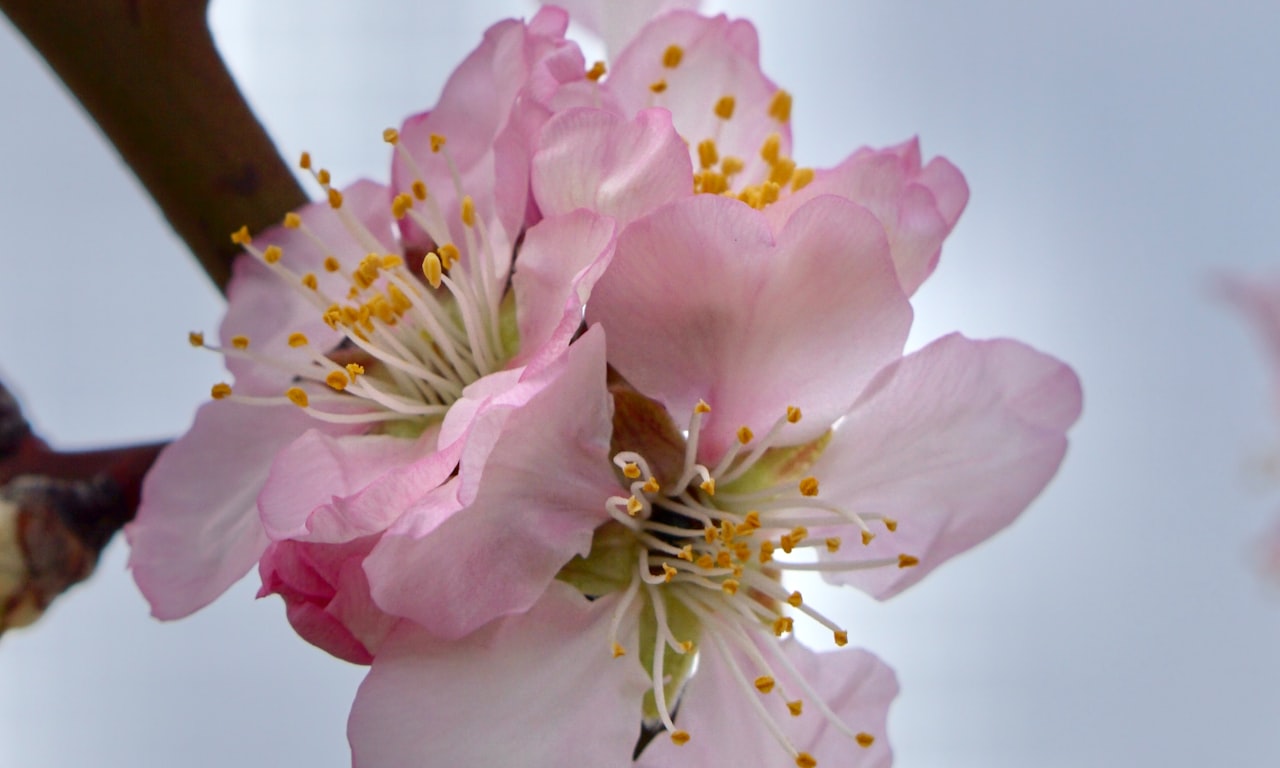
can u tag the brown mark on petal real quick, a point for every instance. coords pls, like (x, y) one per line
(642, 425)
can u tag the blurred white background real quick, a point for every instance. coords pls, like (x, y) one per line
(1118, 154)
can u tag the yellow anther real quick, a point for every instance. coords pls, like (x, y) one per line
(801, 179)
(780, 107)
(304, 162)
(437, 142)
(908, 561)
(668, 573)
(220, 390)
(651, 485)
(708, 485)
(400, 205)
(751, 196)
(292, 220)
(297, 339)
(799, 533)
(771, 148)
(742, 551)
(399, 302)
(766, 551)
(686, 646)
(764, 684)
(805, 760)
(449, 255)
(724, 107)
(272, 254)
(337, 379)
(196, 339)
(782, 625)
(419, 189)
(731, 165)
(432, 270)
(658, 86)
(724, 559)
(686, 554)
(631, 470)
(833, 544)
(795, 600)
(708, 155)
(782, 171)
(705, 562)
(680, 738)
(727, 531)
(672, 56)
(795, 707)
(297, 396)
(864, 739)
(368, 268)
(332, 317)
(335, 198)
(618, 650)
(354, 370)
(241, 236)
(331, 264)
(322, 176)
(391, 261)
(769, 193)
(891, 524)
(793, 414)
(750, 522)
(809, 486)
(634, 506)
(702, 407)
(596, 72)
(842, 637)
(468, 211)
(309, 280)
(737, 571)
(730, 586)
(390, 135)
(709, 533)
(745, 435)
(240, 342)
(786, 542)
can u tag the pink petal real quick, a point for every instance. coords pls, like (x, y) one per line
(476, 110)
(197, 530)
(720, 58)
(701, 302)
(726, 730)
(539, 494)
(333, 489)
(559, 264)
(539, 690)
(590, 158)
(917, 206)
(953, 442)
(326, 596)
(263, 307)
(617, 23)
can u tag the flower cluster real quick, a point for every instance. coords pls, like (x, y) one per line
(538, 429)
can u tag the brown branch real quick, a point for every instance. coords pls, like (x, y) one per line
(57, 512)
(148, 72)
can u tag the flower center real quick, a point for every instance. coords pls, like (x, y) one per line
(410, 341)
(706, 563)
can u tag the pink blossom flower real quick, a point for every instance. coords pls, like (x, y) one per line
(361, 379)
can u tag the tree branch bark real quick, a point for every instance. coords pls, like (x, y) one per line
(148, 73)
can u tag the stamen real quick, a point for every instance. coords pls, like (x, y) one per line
(724, 107)
(596, 72)
(780, 106)
(672, 56)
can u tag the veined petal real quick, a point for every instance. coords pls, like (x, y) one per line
(560, 262)
(952, 443)
(591, 158)
(718, 58)
(701, 302)
(538, 498)
(918, 206)
(197, 530)
(617, 23)
(725, 726)
(326, 596)
(535, 689)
